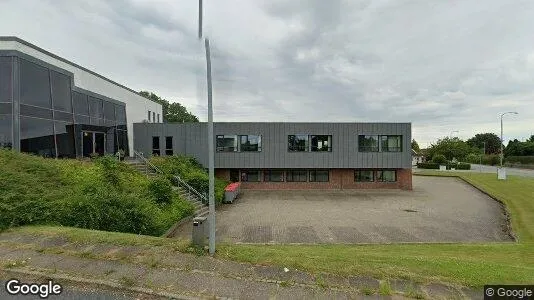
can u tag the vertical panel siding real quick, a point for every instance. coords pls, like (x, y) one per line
(191, 139)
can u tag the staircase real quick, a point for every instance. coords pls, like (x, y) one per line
(143, 166)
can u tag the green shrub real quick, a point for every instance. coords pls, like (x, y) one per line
(473, 158)
(161, 190)
(463, 166)
(439, 159)
(491, 159)
(103, 194)
(525, 160)
(191, 172)
(428, 165)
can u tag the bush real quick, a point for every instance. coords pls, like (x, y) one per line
(161, 190)
(439, 159)
(191, 172)
(428, 165)
(35, 190)
(525, 160)
(473, 158)
(463, 166)
(492, 159)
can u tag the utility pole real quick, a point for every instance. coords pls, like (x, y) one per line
(483, 154)
(211, 152)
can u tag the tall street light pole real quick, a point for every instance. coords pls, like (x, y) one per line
(211, 152)
(502, 150)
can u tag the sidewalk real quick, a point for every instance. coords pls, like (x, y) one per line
(172, 274)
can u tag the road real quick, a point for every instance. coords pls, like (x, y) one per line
(509, 171)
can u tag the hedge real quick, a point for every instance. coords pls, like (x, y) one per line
(525, 160)
(428, 165)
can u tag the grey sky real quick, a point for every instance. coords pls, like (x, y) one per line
(442, 65)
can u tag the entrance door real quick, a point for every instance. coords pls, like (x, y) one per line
(93, 142)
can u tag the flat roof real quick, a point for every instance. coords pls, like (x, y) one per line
(21, 41)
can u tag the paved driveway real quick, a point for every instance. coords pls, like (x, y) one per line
(437, 210)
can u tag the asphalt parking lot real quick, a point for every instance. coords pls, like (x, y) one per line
(437, 210)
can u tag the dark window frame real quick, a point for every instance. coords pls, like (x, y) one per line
(225, 148)
(378, 179)
(388, 149)
(156, 150)
(246, 173)
(357, 175)
(169, 150)
(315, 148)
(362, 148)
(268, 175)
(244, 149)
(149, 116)
(291, 147)
(291, 176)
(315, 171)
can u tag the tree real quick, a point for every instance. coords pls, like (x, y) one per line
(451, 148)
(518, 148)
(531, 139)
(493, 142)
(172, 112)
(415, 146)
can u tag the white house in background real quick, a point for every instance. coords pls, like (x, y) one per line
(417, 158)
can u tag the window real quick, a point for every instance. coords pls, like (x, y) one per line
(33, 111)
(368, 143)
(226, 143)
(386, 176)
(250, 143)
(297, 142)
(65, 140)
(61, 97)
(364, 176)
(319, 175)
(6, 82)
(321, 142)
(296, 176)
(149, 116)
(273, 176)
(391, 143)
(122, 141)
(109, 111)
(96, 109)
(158, 118)
(155, 146)
(250, 175)
(6, 131)
(234, 175)
(120, 112)
(34, 84)
(168, 146)
(79, 102)
(154, 117)
(37, 136)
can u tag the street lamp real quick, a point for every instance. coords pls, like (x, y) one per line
(502, 150)
(450, 135)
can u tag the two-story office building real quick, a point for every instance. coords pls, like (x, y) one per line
(292, 155)
(52, 107)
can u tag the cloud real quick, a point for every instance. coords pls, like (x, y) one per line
(443, 66)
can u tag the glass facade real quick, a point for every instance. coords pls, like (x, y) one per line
(54, 120)
(6, 99)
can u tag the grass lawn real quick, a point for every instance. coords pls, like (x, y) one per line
(471, 264)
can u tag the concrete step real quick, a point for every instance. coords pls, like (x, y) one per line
(202, 212)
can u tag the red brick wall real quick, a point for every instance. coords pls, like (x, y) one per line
(339, 179)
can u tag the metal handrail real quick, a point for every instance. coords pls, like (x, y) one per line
(181, 182)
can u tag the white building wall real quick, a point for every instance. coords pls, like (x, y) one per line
(137, 106)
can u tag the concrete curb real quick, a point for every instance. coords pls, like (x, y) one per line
(171, 231)
(102, 283)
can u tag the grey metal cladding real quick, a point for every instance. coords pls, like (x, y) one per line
(191, 139)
